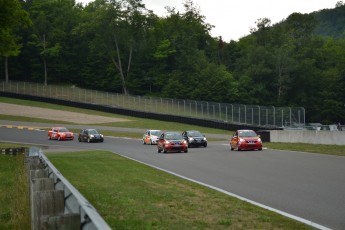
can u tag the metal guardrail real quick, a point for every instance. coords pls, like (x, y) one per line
(253, 115)
(74, 201)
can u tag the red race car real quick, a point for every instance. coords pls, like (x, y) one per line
(172, 141)
(60, 133)
(245, 140)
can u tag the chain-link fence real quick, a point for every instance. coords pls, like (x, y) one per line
(264, 116)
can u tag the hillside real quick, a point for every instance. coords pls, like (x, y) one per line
(331, 22)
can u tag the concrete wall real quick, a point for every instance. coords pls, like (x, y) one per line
(308, 136)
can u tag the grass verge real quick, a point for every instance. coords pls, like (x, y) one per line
(130, 195)
(14, 201)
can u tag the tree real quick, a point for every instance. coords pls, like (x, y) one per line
(52, 22)
(12, 17)
(119, 30)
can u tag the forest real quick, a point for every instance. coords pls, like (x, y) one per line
(121, 46)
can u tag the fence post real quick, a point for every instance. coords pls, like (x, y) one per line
(49, 202)
(66, 221)
(245, 114)
(47, 205)
(226, 113)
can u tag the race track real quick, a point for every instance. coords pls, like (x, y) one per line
(306, 185)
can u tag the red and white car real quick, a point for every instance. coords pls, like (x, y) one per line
(245, 140)
(60, 133)
(151, 136)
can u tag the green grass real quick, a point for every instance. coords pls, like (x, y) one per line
(338, 150)
(14, 201)
(130, 195)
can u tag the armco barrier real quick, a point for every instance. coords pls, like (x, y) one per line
(55, 203)
(135, 113)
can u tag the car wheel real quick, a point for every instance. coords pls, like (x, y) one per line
(205, 145)
(164, 150)
(144, 142)
(260, 149)
(79, 139)
(186, 151)
(159, 150)
(49, 137)
(231, 148)
(151, 142)
(59, 138)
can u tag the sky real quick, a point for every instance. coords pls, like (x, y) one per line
(234, 18)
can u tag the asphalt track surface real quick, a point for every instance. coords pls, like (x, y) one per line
(307, 185)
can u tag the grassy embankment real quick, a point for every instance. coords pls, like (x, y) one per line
(14, 201)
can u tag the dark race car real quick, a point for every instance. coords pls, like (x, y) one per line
(90, 135)
(194, 138)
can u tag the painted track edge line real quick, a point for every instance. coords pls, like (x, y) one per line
(302, 220)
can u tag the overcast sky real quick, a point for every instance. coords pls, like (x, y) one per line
(233, 19)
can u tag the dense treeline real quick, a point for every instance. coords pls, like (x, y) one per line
(120, 46)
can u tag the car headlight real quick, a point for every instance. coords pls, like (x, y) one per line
(101, 135)
(92, 136)
(259, 140)
(240, 140)
(205, 139)
(191, 139)
(184, 142)
(167, 142)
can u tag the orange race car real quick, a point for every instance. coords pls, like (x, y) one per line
(60, 133)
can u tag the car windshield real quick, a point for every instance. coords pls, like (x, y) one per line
(247, 134)
(92, 131)
(63, 130)
(156, 133)
(173, 136)
(194, 134)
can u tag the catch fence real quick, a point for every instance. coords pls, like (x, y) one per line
(256, 115)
